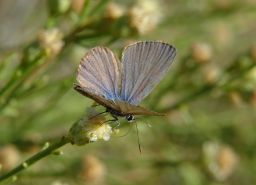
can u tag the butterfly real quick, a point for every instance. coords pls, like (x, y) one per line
(121, 86)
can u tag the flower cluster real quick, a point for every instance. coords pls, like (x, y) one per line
(51, 41)
(90, 129)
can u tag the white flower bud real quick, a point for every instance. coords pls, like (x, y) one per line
(145, 16)
(220, 159)
(201, 52)
(51, 41)
(114, 10)
(90, 129)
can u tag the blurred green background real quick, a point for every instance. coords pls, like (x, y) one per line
(209, 95)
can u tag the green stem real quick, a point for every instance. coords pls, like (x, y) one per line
(207, 88)
(190, 97)
(38, 156)
(14, 85)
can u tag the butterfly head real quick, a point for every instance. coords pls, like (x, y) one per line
(129, 118)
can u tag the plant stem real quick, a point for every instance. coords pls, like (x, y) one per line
(207, 88)
(38, 156)
(190, 97)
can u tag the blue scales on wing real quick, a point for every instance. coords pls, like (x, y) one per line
(144, 65)
(99, 73)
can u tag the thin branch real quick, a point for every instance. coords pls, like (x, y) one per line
(208, 88)
(38, 156)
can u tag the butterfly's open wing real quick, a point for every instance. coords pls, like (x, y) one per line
(144, 65)
(99, 73)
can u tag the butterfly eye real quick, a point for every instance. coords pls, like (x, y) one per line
(129, 118)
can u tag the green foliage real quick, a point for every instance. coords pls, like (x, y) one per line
(209, 95)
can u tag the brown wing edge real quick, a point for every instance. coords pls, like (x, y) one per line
(136, 110)
(99, 99)
(118, 106)
(143, 111)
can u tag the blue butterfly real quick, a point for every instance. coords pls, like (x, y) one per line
(121, 86)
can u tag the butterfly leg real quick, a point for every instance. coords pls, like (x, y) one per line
(95, 104)
(115, 120)
(118, 124)
(97, 115)
(112, 120)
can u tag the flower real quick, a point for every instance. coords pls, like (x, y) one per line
(114, 10)
(201, 52)
(57, 182)
(92, 170)
(51, 41)
(77, 5)
(220, 159)
(145, 16)
(9, 157)
(90, 129)
(210, 74)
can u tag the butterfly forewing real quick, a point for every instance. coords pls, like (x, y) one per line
(144, 65)
(98, 99)
(99, 73)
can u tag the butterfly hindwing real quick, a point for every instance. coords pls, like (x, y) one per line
(144, 65)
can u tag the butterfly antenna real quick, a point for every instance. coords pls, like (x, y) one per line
(138, 138)
(118, 124)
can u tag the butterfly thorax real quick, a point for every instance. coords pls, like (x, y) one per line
(121, 110)
(115, 114)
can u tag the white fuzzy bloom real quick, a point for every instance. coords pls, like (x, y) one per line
(51, 41)
(102, 132)
(220, 159)
(114, 10)
(90, 129)
(145, 15)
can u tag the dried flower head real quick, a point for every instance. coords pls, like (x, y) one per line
(222, 34)
(51, 41)
(220, 160)
(114, 11)
(145, 16)
(201, 52)
(9, 157)
(211, 74)
(92, 170)
(90, 129)
(57, 182)
(77, 5)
